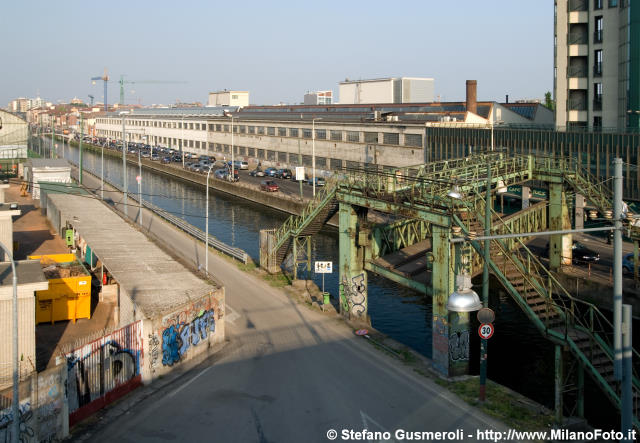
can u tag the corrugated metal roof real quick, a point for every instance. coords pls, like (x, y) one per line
(48, 163)
(156, 283)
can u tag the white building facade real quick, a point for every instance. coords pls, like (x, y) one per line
(387, 90)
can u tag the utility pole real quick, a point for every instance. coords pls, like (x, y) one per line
(300, 163)
(80, 149)
(53, 136)
(617, 269)
(124, 168)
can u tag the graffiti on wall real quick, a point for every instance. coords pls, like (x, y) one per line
(177, 338)
(26, 423)
(50, 397)
(355, 292)
(99, 367)
(459, 346)
(154, 346)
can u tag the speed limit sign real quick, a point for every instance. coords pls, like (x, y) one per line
(486, 330)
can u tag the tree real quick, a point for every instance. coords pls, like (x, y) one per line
(549, 102)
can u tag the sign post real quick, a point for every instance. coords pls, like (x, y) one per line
(324, 267)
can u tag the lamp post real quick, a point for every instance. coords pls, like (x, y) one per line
(232, 176)
(139, 180)
(206, 232)
(102, 172)
(124, 165)
(80, 149)
(313, 152)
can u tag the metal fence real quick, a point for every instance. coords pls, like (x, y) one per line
(101, 371)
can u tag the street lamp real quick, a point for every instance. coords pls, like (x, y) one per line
(124, 163)
(232, 177)
(206, 235)
(313, 152)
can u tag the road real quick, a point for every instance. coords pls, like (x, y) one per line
(288, 374)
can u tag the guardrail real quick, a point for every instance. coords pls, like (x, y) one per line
(236, 253)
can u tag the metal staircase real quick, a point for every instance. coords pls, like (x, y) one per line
(309, 222)
(560, 317)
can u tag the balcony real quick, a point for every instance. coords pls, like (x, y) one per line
(578, 5)
(578, 50)
(577, 116)
(578, 17)
(597, 69)
(578, 83)
(577, 105)
(578, 38)
(597, 36)
(597, 104)
(577, 71)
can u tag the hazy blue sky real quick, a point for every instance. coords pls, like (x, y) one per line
(275, 49)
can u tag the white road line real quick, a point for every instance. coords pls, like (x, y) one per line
(189, 382)
(231, 315)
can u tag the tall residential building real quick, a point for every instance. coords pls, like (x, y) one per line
(597, 63)
(387, 90)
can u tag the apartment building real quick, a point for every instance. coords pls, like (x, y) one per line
(597, 63)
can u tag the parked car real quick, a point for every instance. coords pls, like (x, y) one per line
(155, 157)
(165, 160)
(257, 173)
(223, 174)
(270, 172)
(319, 181)
(580, 254)
(627, 264)
(269, 186)
(283, 173)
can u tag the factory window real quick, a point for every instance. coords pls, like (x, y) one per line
(413, 140)
(282, 157)
(260, 153)
(210, 146)
(307, 160)
(271, 155)
(252, 152)
(243, 150)
(336, 136)
(390, 138)
(282, 132)
(371, 137)
(218, 128)
(252, 129)
(306, 133)
(353, 165)
(321, 162)
(353, 136)
(226, 128)
(212, 127)
(226, 149)
(321, 134)
(197, 126)
(271, 130)
(235, 129)
(260, 129)
(293, 132)
(243, 129)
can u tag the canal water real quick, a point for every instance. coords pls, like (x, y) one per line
(518, 356)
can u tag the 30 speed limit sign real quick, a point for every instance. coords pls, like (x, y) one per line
(486, 330)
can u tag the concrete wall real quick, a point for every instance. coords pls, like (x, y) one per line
(380, 91)
(188, 331)
(44, 412)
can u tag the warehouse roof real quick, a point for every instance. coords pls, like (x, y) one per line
(154, 281)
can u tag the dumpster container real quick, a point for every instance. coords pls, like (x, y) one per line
(69, 293)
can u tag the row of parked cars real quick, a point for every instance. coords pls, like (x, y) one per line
(284, 174)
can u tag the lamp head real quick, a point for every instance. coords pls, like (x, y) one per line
(455, 192)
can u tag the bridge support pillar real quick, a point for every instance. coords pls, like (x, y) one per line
(559, 245)
(353, 277)
(579, 211)
(525, 196)
(558, 384)
(450, 331)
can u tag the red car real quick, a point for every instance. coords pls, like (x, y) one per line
(269, 186)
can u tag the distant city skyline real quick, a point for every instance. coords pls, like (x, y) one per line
(278, 51)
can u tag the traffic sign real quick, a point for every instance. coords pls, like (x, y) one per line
(299, 173)
(486, 315)
(362, 332)
(486, 331)
(324, 267)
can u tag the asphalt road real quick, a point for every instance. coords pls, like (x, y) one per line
(288, 374)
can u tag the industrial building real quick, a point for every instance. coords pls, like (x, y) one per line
(597, 63)
(387, 90)
(388, 135)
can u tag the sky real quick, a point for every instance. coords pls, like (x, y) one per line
(277, 50)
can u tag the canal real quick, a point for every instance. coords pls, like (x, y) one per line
(518, 356)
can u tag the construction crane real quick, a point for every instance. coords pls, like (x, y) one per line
(105, 79)
(91, 98)
(123, 82)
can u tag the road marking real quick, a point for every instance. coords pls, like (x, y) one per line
(189, 382)
(231, 316)
(366, 420)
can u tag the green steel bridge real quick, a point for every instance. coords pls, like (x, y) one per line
(412, 246)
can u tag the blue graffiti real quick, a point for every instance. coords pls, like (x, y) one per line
(177, 339)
